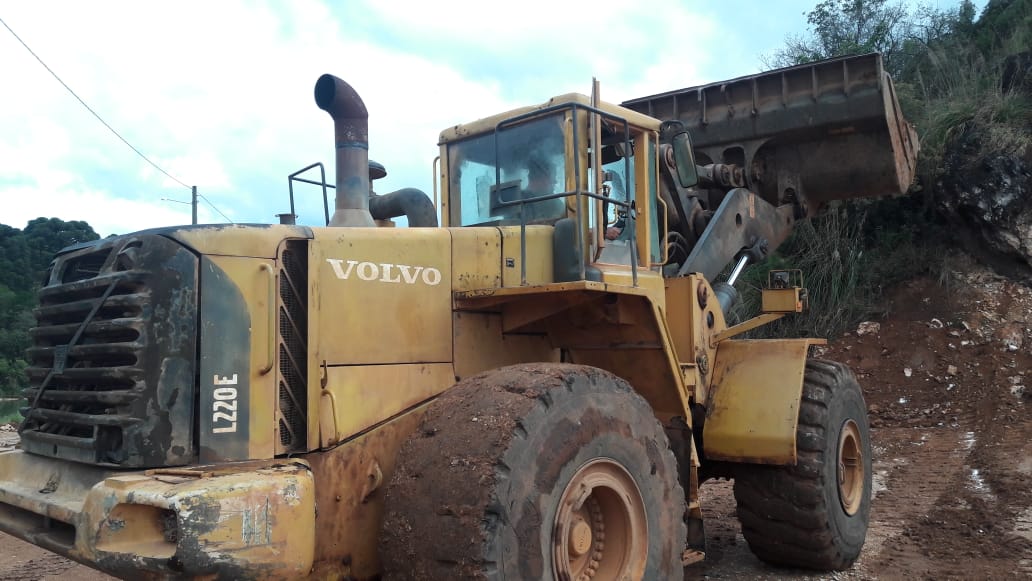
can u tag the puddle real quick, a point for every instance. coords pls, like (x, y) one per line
(968, 440)
(978, 482)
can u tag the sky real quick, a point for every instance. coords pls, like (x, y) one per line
(219, 94)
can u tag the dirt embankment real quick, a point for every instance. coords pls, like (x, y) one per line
(947, 376)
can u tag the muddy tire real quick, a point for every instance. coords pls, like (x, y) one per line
(814, 514)
(532, 472)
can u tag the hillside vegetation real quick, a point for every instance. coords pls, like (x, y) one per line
(963, 81)
(24, 257)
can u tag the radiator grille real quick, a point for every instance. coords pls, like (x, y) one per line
(292, 380)
(92, 387)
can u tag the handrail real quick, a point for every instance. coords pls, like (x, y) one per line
(577, 191)
(322, 172)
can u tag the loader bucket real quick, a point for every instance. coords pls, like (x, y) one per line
(808, 134)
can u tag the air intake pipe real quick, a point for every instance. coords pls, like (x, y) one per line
(409, 202)
(351, 130)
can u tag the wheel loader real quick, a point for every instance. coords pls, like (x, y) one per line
(532, 389)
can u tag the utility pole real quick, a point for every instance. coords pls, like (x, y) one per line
(194, 204)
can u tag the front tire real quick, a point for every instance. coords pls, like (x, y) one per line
(814, 514)
(541, 471)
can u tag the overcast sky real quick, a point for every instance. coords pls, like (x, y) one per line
(219, 94)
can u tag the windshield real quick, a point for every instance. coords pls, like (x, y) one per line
(530, 164)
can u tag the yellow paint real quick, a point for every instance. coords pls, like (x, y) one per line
(257, 283)
(364, 395)
(352, 478)
(480, 337)
(476, 258)
(539, 255)
(781, 300)
(234, 513)
(693, 335)
(384, 295)
(488, 124)
(239, 239)
(649, 280)
(754, 404)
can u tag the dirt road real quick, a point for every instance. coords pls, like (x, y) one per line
(948, 383)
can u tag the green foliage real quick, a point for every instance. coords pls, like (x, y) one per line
(849, 256)
(24, 256)
(955, 78)
(950, 72)
(843, 27)
(15, 321)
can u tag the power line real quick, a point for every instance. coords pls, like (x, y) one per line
(105, 123)
(89, 108)
(216, 209)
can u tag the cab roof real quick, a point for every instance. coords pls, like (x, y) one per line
(488, 124)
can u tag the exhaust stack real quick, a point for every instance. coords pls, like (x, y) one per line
(351, 131)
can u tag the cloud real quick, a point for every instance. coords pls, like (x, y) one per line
(219, 94)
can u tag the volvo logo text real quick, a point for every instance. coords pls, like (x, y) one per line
(384, 272)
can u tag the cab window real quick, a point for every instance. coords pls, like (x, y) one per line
(497, 178)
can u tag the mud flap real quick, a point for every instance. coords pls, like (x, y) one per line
(754, 401)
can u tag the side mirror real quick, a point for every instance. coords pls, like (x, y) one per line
(676, 134)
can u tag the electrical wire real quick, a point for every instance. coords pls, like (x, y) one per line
(105, 123)
(90, 109)
(201, 196)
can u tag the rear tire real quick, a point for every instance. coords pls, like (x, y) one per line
(814, 514)
(535, 471)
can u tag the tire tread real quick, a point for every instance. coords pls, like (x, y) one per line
(784, 515)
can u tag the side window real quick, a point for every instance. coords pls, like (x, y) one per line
(620, 184)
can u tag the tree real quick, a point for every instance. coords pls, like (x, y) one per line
(842, 27)
(15, 269)
(15, 320)
(45, 236)
(24, 256)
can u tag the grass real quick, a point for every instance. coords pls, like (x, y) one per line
(9, 410)
(850, 256)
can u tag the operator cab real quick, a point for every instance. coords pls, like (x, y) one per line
(567, 164)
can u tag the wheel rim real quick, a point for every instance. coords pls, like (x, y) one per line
(601, 531)
(850, 468)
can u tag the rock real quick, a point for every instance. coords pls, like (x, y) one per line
(1011, 335)
(873, 409)
(935, 324)
(868, 327)
(951, 369)
(908, 371)
(985, 192)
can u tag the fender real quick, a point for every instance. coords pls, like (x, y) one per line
(753, 409)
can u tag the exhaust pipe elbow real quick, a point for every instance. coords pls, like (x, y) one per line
(351, 133)
(410, 202)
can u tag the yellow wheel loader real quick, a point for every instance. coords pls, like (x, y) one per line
(533, 389)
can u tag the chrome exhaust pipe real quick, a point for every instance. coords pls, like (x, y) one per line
(351, 131)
